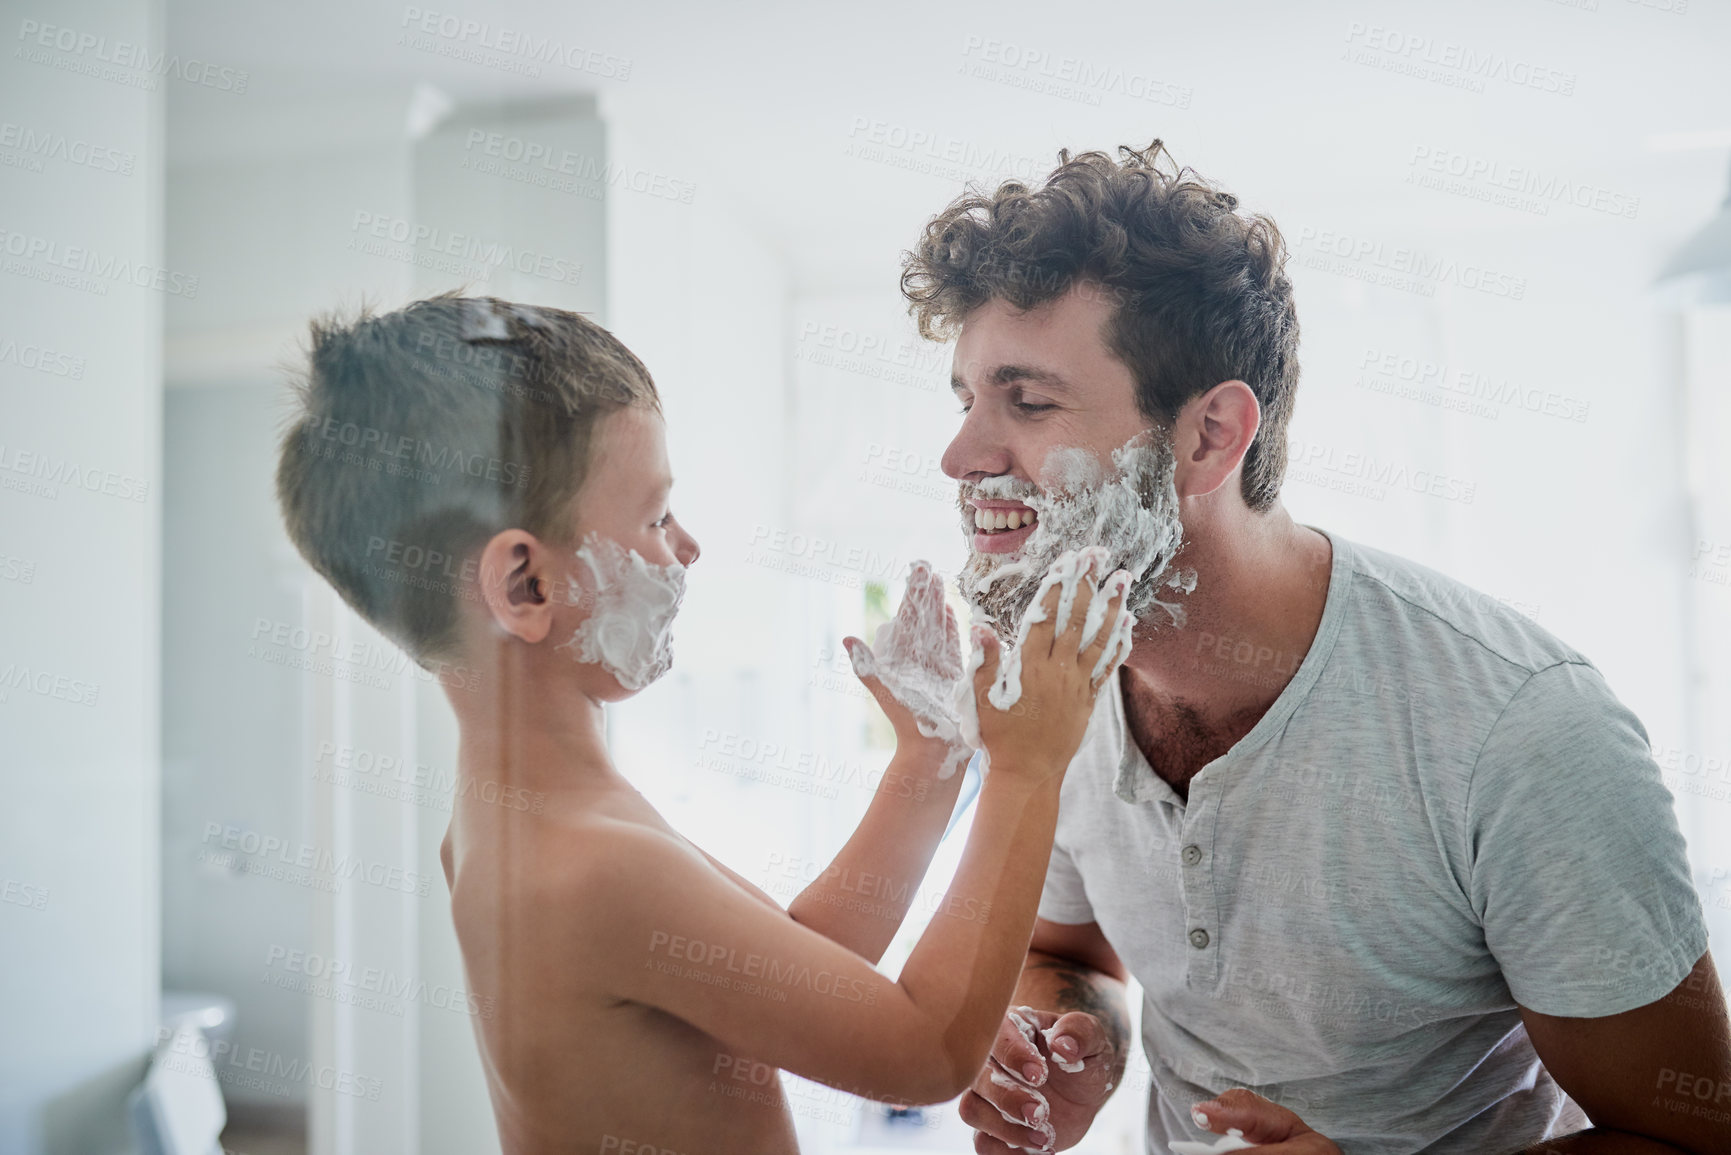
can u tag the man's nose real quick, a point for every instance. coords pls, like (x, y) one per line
(978, 449)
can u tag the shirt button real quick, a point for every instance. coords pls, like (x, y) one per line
(1192, 855)
(1199, 938)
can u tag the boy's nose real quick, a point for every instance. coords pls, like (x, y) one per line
(687, 550)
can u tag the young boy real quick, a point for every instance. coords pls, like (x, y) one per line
(635, 977)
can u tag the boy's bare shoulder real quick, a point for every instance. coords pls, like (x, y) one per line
(592, 884)
(595, 866)
(610, 857)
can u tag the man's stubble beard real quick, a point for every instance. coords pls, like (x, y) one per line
(1132, 510)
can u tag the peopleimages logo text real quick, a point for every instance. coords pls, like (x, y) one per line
(1410, 267)
(483, 34)
(317, 859)
(1418, 52)
(91, 262)
(127, 55)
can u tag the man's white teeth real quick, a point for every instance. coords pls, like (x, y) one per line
(993, 520)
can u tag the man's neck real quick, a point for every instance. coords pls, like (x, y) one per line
(1190, 693)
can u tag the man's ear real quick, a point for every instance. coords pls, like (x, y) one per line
(1212, 435)
(518, 584)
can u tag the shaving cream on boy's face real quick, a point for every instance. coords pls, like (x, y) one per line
(1133, 513)
(632, 603)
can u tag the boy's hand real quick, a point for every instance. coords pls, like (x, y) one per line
(908, 736)
(915, 670)
(1035, 736)
(1265, 1124)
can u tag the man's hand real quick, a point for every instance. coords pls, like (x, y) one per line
(1026, 1099)
(1270, 1127)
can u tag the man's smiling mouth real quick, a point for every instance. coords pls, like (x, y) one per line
(996, 517)
(1000, 526)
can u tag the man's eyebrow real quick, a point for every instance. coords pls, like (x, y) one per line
(1012, 374)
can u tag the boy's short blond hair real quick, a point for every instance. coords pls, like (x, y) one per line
(419, 434)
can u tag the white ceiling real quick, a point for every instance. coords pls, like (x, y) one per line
(760, 101)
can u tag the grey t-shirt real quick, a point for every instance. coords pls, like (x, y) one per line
(1446, 812)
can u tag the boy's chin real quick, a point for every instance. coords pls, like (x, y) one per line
(598, 685)
(605, 685)
(607, 688)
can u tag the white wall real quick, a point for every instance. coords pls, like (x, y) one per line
(1567, 520)
(269, 225)
(1697, 762)
(229, 743)
(79, 596)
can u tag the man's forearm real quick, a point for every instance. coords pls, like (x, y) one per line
(1061, 985)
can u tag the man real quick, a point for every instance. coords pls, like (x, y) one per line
(1393, 867)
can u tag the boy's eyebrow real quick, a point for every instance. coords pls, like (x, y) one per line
(1011, 374)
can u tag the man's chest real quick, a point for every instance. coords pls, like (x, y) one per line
(1280, 904)
(1178, 740)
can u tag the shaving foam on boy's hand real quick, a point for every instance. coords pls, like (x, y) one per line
(1036, 697)
(917, 662)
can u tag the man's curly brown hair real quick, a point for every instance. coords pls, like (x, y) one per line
(1201, 290)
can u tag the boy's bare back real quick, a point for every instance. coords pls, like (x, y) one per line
(571, 1065)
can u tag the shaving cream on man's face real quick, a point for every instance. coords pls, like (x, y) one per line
(1133, 511)
(632, 604)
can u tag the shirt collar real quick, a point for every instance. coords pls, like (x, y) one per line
(1136, 781)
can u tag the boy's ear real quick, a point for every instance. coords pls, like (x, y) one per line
(519, 581)
(1213, 433)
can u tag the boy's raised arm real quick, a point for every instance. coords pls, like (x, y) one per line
(670, 931)
(863, 896)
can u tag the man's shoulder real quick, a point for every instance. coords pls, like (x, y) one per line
(1400, 604)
